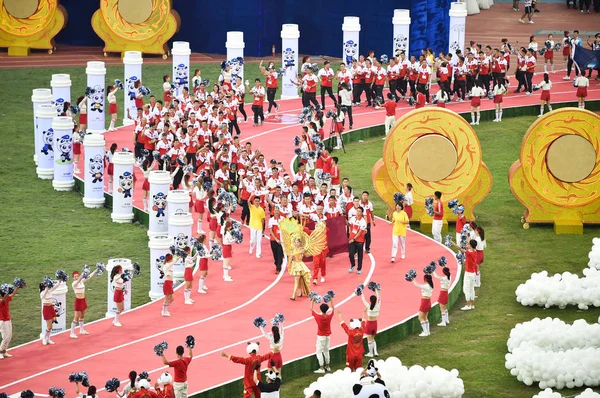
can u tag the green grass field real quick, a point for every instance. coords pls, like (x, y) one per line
(45, 230)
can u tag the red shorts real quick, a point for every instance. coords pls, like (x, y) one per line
(203, 264)
(479, 257)
(276, 358)
(146, 185)
(83, 118)
(441, 104)
(48, 312)
(167, 97)
(212, 224)
(110, 169)
(566, 51)
(582, 92)
(371, 328)
(498, 99)
(443, 297)
(168, 287)
(354, 362)
(76, 148)
(188, 275)
(545, 95)
(139, 102)
(227, 251)
(118, 296)
(112, 109)
(475, 101)
(228, 85)
(549, 55)
(191, 204)
(425, 305)
(339, 127)
(199, 206)
(408, 210)
(80, 304)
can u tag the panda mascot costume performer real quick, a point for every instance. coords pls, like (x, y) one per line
(166, 381)
(251, 363)
(143, 389)
(370, 384)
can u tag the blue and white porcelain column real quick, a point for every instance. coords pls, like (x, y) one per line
(96, 95)
(61, 91)
(132, 66)
(289, 60)
(351, 32)
(159, 247)
(93, 169)
(122, 206)
(401, 39)
(235, 53)
(181, 66)
(158, 215)
(39, 97)
(45, 116)
(63, 153)
(458, 17)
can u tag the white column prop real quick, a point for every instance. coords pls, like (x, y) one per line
(96, 111)
(351, 29)
(401, 39)
(132, 61)
(157, 203)
(458, 15)
(289, 60)
(94, 170)
(60, 306)
(63, 153)
(181, 66)
(472, 7)
(45, 115)
(178, 201)
(180, 232)
(61, 91)
(40, 96)
(122, 206)
(112, 307)
(159, 247)
(235, 48)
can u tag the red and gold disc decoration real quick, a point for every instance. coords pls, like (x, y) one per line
(434, 149)
(136, 25)
(27, 24)
(557, 177)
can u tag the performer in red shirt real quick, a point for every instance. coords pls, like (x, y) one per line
(323, 320)
(165, 380)
(438, 217)
(180, 366)
(5, 322)
(390, 113)
(326, 75)
(258, 91)
(355, 348)
(251, 364)
(272, 84)
(420, 98)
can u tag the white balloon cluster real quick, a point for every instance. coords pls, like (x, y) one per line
(401, 381)
(555, 354)
(548, 393)
(564, 289)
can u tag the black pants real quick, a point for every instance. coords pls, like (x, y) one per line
(233, 124)
(245, 211)
(394, 88)
(402, 86)
(191, 158)
(258, 113)
(413, 90)
(329, 91)
(445, 86)
(309, 98)
(368, 93)
(138, 150)
(470, 82)
(348, 110)
(271, 98)
(424, 89)
(570, 66)
(277, 250)
(378, 93)
(528, 81)
(355, 248)
(357, 92)
(521, 79)
(587, 4)
(242, 110)
(459, 88)
(484, 80)
(368, 238)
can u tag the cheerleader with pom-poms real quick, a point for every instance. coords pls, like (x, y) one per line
(79, 281)
(166, 272)
(109, 164)
(118, 284)
(47, 287)
(91, 392)
(545, 86)
(199, 194)
(129, 388)
(470, 275)
(7, 292)
(275, 340)
(188, 273)
(112, 106)
(582, 83)
(445, 280)
(426, 292)
(372, 309)
(203, 255)
(228, 241)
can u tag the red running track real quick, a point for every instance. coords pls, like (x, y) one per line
(222, 319)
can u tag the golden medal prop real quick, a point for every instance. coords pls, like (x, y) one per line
(30, 24)
(435, 149)
(557, 176)
(136, 25)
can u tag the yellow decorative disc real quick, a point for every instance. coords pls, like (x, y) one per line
(432, 157)
(37, 21)
(547, 173)
(135, 11)
(21, 8)
(571, 158)
(151, 25)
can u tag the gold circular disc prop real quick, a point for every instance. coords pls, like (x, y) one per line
(571, 158)
(432, 157)
(135, 11)
(21, 9)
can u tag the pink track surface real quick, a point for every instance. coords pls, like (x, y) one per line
(222, 319)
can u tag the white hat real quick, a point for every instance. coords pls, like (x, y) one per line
(165, 379)
(143, 383)
(252, 347)
(242, 172)
(355, 323)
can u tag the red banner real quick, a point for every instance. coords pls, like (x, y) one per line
(337, 240)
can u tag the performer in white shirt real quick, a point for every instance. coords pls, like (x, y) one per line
(545, 86)
(476, 94)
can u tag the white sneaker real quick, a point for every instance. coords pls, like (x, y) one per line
(472, 123)
(319, 371)
(423, 334)
(227, 267)
(476, 123)
(258, 257)
(322, 279)
(466, 308)
(202, 291)
(393, 259)
(84, 332)
(266, 113)
(442, 324)
(1, 356)
(495, 120)
(166, 313)
(228, 279)
(44, 342)
(314, 281)
(369, 355)
(403, 257)
(205, 287)
(540, 115)
(530, 22)
(7, 355)
(188, 302)
(117, 324)
(50, 342)
(73, 336)
(520, 20)
(472, 307)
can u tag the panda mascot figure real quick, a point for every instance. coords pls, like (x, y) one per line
(164, 386)
(370, 384)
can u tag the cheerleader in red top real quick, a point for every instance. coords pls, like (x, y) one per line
(203, 264)
(80, 302)
(112, 106)
(443, 296)
(118, 295)
(546, 86)
(426, 292)
(129, 388)
(48, 311)
(109, 163)
(355, 348)
(166, 272)
(371, 313)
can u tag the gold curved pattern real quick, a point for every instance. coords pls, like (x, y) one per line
(136, 31)
(432, 157)
(36, 22)
(571, 158)
(534, 151)
(135, 11)
(21, 8)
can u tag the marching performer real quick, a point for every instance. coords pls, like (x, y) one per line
(408, 202)
(470, 276)
(48, 312)
(323, 319)
(82, 104)
(426, 292)
(443, 296)
(80, 302)
(545, 85)
(326, 75)
(118, 296)
(371, 310)
(167, 96)
(272, 84)
(166, 272)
